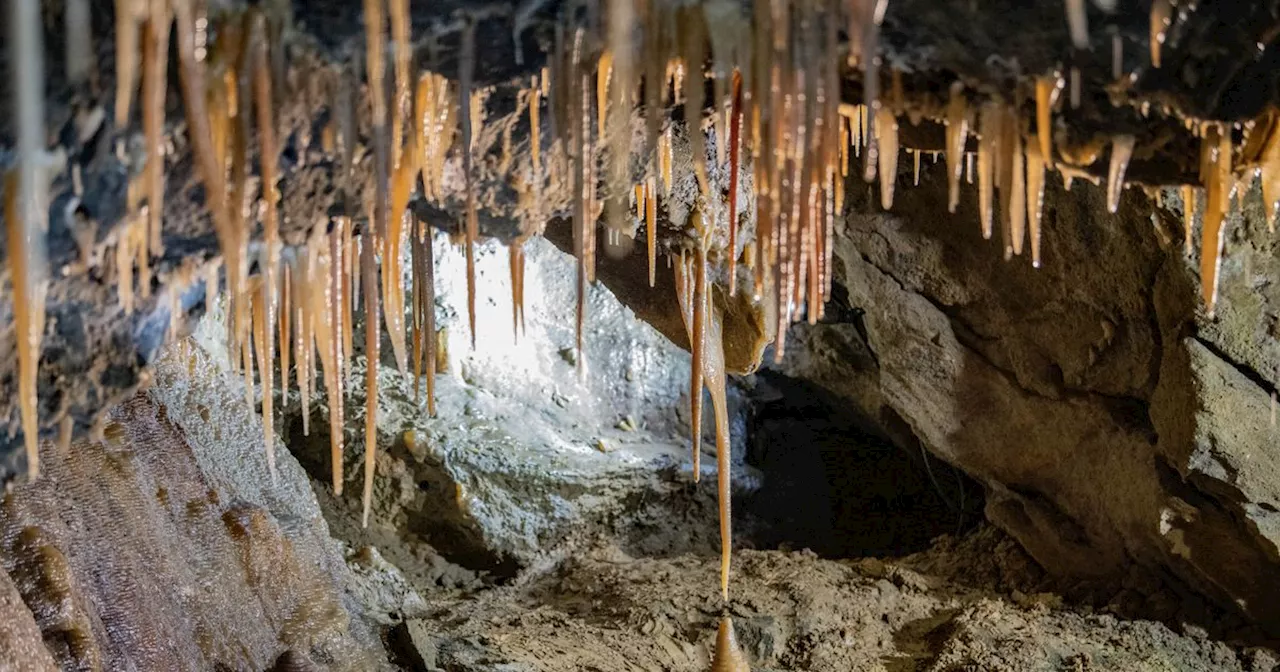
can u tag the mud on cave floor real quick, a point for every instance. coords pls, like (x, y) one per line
(900, 578)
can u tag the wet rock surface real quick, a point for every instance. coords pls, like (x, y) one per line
(167, 546)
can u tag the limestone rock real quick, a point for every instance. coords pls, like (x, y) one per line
(1104, 434)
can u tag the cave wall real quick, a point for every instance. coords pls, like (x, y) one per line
(1111, 421)
(167, 545)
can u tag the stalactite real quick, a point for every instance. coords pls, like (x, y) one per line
(1217, 144)
(604, 71)
(1074, 87)
(79, 42)
(26, 214)
(1188, 217)
(369, 273)
(240, 131)
(1046, 93)
(579, 106)
(1117, 56)
(399, 14)
(887, 134)
(991, 121)
(699, 309)
(535, 145)
(651, 223)
(429, 316)
(155, 62)
(267, 148)
(1078, 23)
(697, 346)
(466, 69)
(1015, 197)
(1161, 16)
(416, 331)
(262, 336)
(303, 343)
(392, 252)
(957, 136)
(1121, 150)
(286, 319)
(349, 284)
(516, 262)
(323, 308)
(211, 170)
(1035, 197)
(735, 148)
(129, 13)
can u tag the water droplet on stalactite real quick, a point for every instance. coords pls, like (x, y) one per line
(1121, 150)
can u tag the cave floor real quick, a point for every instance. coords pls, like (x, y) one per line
(604, 610)
(966, 604)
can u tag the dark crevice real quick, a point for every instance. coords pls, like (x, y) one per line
(444, 528)
(1243, 369)
(836, 483)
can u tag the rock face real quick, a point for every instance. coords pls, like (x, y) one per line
(526, 451)
(1109, 423)
(167, 546)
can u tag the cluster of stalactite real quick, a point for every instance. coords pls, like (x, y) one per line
(775, 76)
